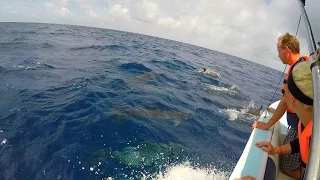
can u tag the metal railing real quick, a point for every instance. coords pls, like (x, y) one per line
(313, 166)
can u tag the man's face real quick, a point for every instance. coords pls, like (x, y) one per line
(282, 54)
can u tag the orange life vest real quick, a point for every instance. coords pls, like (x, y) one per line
(306, 58)
(304, 141)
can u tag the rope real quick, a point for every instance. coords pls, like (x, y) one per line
(298, 26)
(276, 88)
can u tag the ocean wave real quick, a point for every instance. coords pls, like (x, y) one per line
(28, 64)
(13, 45)
(231, 90)
(117, 84)
(174, 64)
(19, 43)
(160, 52)
(100, 47)
(244, 113)
(134, 68)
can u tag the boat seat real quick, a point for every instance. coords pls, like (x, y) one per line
(281, 176)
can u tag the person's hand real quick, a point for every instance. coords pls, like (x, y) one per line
(260, 125)
(270, 109)
(245, 178)
(266, 146)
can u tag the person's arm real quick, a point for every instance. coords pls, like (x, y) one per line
(295, 147)
(267, 146)
(283, 149)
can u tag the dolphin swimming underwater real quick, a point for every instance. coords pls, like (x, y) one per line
(146, 153)
(147, 76)
(176, 117)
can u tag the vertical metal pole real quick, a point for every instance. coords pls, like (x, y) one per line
(313, 165)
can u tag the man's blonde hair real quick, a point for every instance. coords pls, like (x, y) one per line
(302, 77)
(287, 40)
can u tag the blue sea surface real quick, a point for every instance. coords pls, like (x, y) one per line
(88, 103)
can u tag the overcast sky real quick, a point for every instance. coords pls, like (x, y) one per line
(243, 28)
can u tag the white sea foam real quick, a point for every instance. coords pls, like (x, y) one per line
(185, 171)
(232, 90)
(242, 113)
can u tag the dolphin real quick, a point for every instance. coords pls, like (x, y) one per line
(144, 154)
(210, 73)
(254, 111)
(147, 76)
(140, 112)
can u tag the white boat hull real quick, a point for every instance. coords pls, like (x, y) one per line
(253, 160)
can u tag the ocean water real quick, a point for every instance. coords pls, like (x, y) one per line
(87, 103)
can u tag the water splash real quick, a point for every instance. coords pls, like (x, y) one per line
(4, 141)
(185, 171)
(232, 90)
(244, 113)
